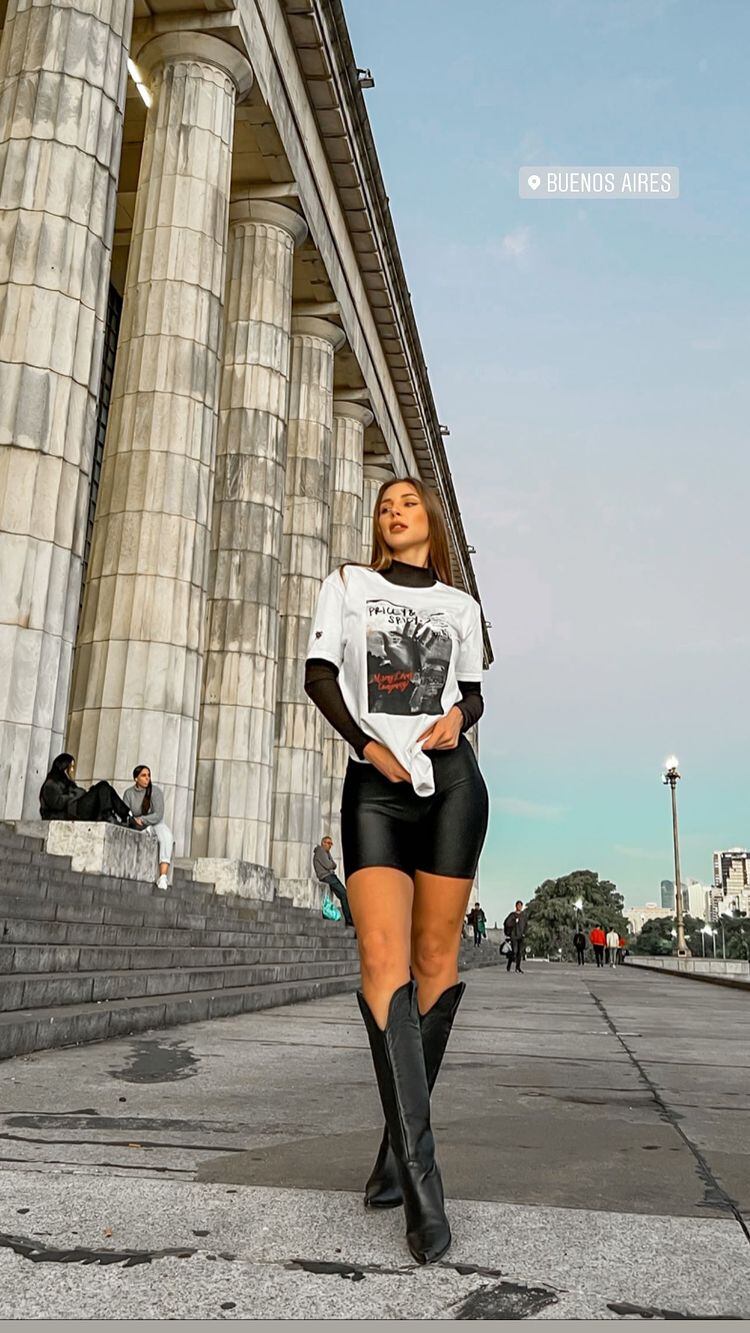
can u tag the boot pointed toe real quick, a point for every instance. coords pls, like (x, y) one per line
(429, 1246)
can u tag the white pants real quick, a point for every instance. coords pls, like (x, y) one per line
(165, 838)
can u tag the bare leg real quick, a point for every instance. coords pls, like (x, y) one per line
(439, 908)
(381, 899)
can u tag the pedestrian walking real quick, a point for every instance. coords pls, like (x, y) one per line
(598, 941)
(394, 663)
(471, 921)
(146, 803)
(325, 869)
(515, 926)
(477, 920)
(622, 949)
(60, 797)
(613, 945)
(579, 944)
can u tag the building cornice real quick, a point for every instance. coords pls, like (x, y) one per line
(346, 133)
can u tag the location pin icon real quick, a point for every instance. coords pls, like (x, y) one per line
(534, 182)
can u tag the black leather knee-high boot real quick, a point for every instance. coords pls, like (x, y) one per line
(402, 1080)
(383, 1189)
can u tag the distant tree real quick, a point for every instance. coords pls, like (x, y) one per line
(553, 919)
(736, 935)
(655, 938)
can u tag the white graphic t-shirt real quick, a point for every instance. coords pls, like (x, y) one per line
(401, 653)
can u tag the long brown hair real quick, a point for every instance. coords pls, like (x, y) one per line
(148, 791)
(439, 557)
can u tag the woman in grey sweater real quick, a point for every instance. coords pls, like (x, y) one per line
(146, 803)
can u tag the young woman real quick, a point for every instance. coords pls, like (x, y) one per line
(146, 804)
(394, 663)
(60, 797)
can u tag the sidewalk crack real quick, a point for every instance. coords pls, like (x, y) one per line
(715, 1194)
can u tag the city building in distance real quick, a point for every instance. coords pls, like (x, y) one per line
(732, 870)
(638, 916)
(731, 887)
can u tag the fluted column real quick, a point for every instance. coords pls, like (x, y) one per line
(137, 679)
(349, 423)
(234, 787)
(374, 476)
(63, 76)
(298, 757)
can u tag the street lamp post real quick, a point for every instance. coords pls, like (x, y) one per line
(723, 939)
(670, 778)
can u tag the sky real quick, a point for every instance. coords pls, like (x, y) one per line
(591, 362)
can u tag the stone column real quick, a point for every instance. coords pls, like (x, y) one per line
(375, 473)
(349, 422)
(298, 757)
(233, 798)
(137, 679)
(63, 76)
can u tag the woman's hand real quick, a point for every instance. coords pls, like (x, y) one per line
(445, 733)
(385, 762)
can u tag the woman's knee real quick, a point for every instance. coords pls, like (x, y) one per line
(433, 953)
(381, 955)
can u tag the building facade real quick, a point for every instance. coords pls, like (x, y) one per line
(637, 916)
(732, 870)
(208, 365)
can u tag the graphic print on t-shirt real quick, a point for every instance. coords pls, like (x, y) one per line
(408, 654)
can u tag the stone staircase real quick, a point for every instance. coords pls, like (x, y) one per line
(87, 957)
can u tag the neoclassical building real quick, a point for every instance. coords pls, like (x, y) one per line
(208, 363)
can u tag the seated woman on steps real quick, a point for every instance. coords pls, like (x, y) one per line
(60, 797)
(146, 804)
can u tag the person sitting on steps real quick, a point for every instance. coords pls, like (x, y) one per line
(146, 803)
(60, 797)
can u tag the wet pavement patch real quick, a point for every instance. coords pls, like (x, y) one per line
(354, 1272)
(468, 1270)
(655, 1312)
(45, 1254)
(505, 1300)
(158, 1062)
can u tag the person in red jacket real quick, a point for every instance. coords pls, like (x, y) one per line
(598, 940)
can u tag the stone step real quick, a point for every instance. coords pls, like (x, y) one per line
(11, 841)
(25, 930)
(32, 991)
(70, 1025)
(35, 958)
(28, 857)
(135, 896)
(51, 903)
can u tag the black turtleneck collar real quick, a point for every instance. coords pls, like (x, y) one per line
(404, 575)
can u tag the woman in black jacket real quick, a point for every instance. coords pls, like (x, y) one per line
(60, 797)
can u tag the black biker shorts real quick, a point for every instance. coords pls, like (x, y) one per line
(386, 824)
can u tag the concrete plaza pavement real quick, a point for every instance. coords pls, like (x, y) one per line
(592, 1129)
